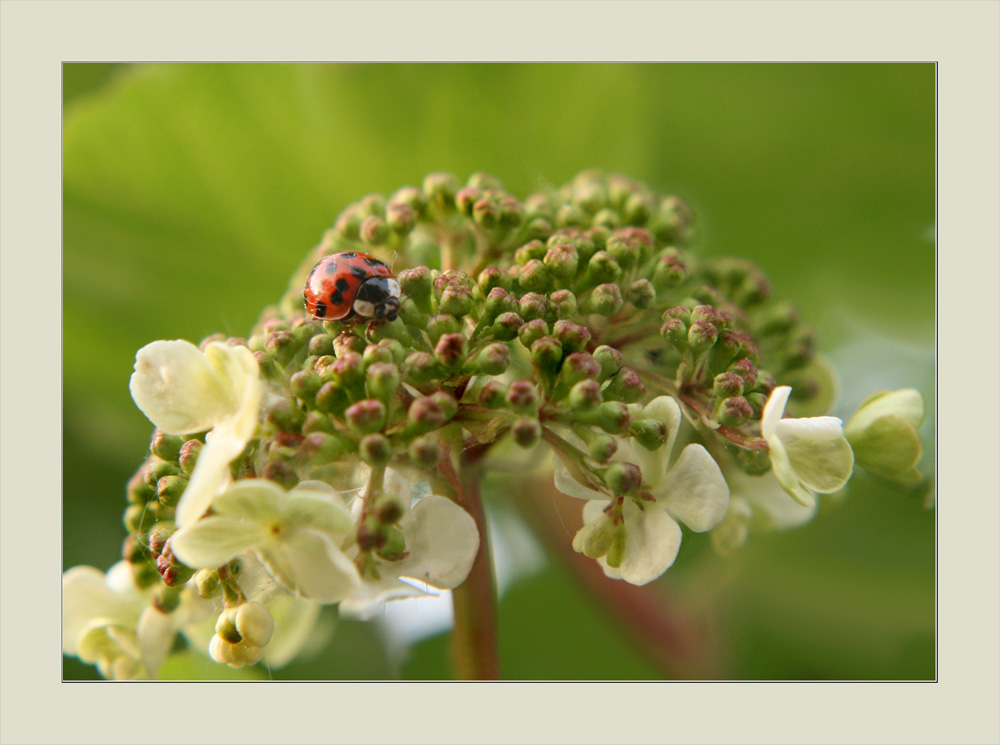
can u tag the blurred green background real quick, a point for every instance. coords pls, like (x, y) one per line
(191, 192)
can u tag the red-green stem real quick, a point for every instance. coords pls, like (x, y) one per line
(474, 637)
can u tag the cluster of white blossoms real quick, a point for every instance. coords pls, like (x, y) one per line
(334, 457)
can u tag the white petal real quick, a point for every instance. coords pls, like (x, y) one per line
(695, 490)
(308, 563)
(565, 483)
(370, 598)
(821, 465)
(773, 508)
(810, 428)
(666, 409)
(774, 409)
(155, 634)
(85, 596)
(211, 475)
(441, 543)
(215, 541)
(176, 387)
(652, 541)
(907, 403)
(781, 466)
(294, 619)
(320, 510)
(257, 500)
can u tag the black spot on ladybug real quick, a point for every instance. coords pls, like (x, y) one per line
(336, 297)
(331, 268)
(342, 284)
(320, 310)
(360, 273)
(372, 262)
(349, 255)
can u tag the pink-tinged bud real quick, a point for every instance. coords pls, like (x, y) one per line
(572, 336)
(425, 452)
(605, 300)
(532, 250)
(727, 384)
(466, 197)
(421, 367)
(521, 396)
(734, 411)
(493, 395)
(625, 386)
(366, 416)
(579, 366)
(498, 301)
(701, 336)
(375, 449)
(533, 305)
(585, 395)
(490, 278)
(506, 325)
(623, 478)
(417, 284)
(610, 360)
(669, 271)
(188, 455)
(374, 230)
(747, 371)
(526, 432)
(547, 353)
(562, 261)
(532, 331)
(281, 473)
(564, 302)
(450, 351)
(642, 294)
(675, 333)
(443, 323)
(493, 359)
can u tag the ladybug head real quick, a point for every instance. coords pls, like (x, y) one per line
(378, 298)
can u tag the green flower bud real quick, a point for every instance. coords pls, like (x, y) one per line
(491, 278)
(348, 224)
(754, 458)
(598, 538)
(440, 189)
(733, 411)
(521, 396)
(400, 218)
(648, 432)
(669, 270)
(623, 478)
(284, 415)
(418, 285)
(138, 491)
(506, 326)
(317, 421)
(585, 395)
(425, 452)
(675, 333)
(254, 623)
(281, 346)
(281, 473)
(680, 312)
(605, 300)
(167, 447)
(208, 584)
(366, 416)
(425, 414)
(532, 331)
(486, 213)
(169, 489)
(493, 359)
(421, 367)
(320, 344)
(547, 353)
(747, 372)
(568, 214)
(138, 518)
(535, 277)
(611, 416)
(323, 447)
(346, 343)
(375, 449)
(601, 269)
(607, 218)
(572, 336)
(638, 208)
(450, 351)
(133, 551)
(526, 432)
(157, 469)
(642, 294)
(330, 398)
(625, 385)
(304, 384)
(672, 220)
(577, 367)
(776, 319)
(562, 261)
(624, 249)
(457, 300)
(493, 395)
(498, 301)
(394, 544)
(883, 434)
(610, 360)
(564, 302)
(466, 197)
(441, 324)
(371, 204)
(702, 336)
(530, 251)
(225, 626)
(727, 384)
(412, 197)
(382, 379)
(532, 306)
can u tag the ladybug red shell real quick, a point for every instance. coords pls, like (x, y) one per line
(349, 284)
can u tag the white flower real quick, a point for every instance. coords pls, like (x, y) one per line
(441, 542)
(109, 622)
(692, 491)
(883, 434)
(809, 455)
(296, 535)
(184, 391)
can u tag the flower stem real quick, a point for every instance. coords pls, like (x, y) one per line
(474, 638)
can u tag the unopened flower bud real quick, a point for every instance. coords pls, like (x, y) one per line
(285, 415)
(642, 294)
(466, 197)
(623, 478)
(138, 491)
(281, 473)
(425, 452)
(367, 416)
(675, 333)
(417, 284)
(564, 302)
(167, 447)
(625, 385)
(375, 450)
(526, 432)
(669, 271)
(425, 414)
(532, 306)
(457, 300)
(610, 360)
(208, 584)
(521, 396)
(601, 269)
(254, 623)
(443, 323)
(702, 336)
(281, 346)
(348, 224)
(169, 489)
(532, 331)
(572, 336)
(747, 372)
(498, 301)
(754, 457)
(493, 394)
(547, 353)
(440, 188)
(535, 276)
(562, 261)
(532, 250)
(493, 359)
(411, 196)
(727, 384)
(607, 218)
(421, 367)
(883, 434)
(733, 411)
(648, 432)
(585, 395)
(611, 416)
(486, 213)
(506, 326)
(605, 300)
(400, 218)
(156, 469)
(450, 351)
(394, 543)
(225, 626)
(382, 379)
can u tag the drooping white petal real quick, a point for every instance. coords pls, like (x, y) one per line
(294, 619)
(257, 500)
(652, 541)
(441, 543)
(215, 541)
(178, 390)
(310, 565)
(781, 466)
(773, 510)
(774, 409)
(366, 601)
(809, 428)
(211, 475)
(320, 510)
(155, 634)
(821, 465)
(695, 490)
(565, 483)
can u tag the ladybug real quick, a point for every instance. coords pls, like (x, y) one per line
(348, 284)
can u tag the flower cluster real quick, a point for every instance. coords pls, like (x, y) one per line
(577, 321)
